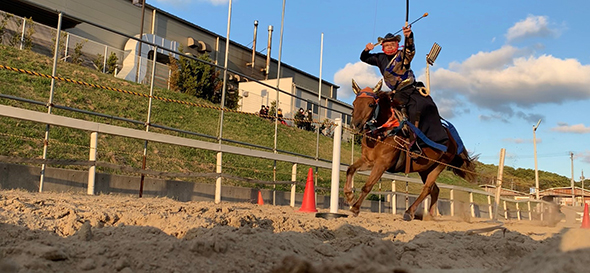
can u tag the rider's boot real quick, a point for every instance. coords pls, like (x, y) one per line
(415, 148)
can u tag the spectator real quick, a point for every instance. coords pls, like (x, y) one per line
(263, 112)
(309, 121)
(299, 119)
(268, 113)
(280, 116)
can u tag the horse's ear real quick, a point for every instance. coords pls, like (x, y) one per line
(355, 87)
(377, 88)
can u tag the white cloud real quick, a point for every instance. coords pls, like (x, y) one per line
(445, 106)
(492, 117)
(532, 26)
(584, 156)
(364, 75)
(576, 129)
(510, 77)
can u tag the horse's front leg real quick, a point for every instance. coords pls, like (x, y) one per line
(352, 169)
(376, 173)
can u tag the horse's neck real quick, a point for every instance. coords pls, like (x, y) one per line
(384, 110)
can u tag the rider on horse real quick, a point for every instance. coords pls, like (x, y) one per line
(394, 65)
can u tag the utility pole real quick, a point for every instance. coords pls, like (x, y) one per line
(536, 169)
(583, 195)
(573, 187)
(138, 63)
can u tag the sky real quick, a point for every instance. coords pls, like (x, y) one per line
(504, 65)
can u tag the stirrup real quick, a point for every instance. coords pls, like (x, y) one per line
(415, 151)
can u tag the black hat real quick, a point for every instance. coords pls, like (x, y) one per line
(390, 37)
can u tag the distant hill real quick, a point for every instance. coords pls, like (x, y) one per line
(522, 179)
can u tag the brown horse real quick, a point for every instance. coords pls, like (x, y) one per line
(390, 154)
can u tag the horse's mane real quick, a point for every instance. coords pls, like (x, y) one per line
(384, 97)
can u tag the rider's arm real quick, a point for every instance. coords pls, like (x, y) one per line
(409, 49)
(369, 58)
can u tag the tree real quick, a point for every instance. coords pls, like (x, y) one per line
(201, 79)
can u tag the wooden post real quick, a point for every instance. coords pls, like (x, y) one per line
(393, 198)
(293, 186)
(471, 205)
(505, 211)
(218, 169)
(518, 211)
(499, 182)
(530, 213)
(490, 207)
(92, 157)
(452, 202)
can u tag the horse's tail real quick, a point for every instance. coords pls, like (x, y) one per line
(465, 166)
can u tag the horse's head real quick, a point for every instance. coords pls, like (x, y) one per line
(364, 104)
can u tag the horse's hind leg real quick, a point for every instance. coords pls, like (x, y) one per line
(428, 178)
(349, 176)
(434, 191)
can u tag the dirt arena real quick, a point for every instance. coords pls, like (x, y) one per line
(50, 232)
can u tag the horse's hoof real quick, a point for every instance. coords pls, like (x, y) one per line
(408, 217)
(349, 199)
(355, 212)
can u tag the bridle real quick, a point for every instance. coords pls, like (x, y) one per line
(371, 123)
(392, 126)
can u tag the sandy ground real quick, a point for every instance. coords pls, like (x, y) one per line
(62, 232)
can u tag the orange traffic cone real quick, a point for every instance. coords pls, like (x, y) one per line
(308, 204)
(260, 200)
(585, 220)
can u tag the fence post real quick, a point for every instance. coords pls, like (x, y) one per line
(490, 207)
(293, 186)
(542, 212)
(471, 204)
(530, 214)
(218, 180)
(66, 46)
(407, 194)
(505, 210)
(92, 157)
(22, 36)
(517, 211)
(335, 183)
(499, 182)
(104, 62)
(452, 197)
(379, 196)
(50, 102)
(393, 198)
